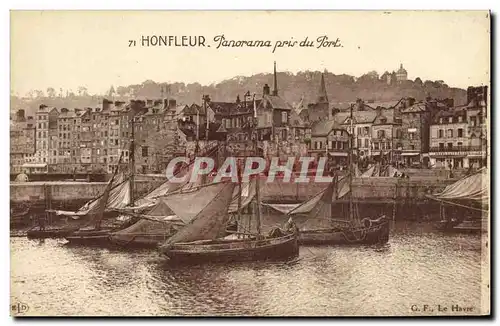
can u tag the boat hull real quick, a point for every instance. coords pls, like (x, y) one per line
(146, 241)
(90, 237)
(50, 233)
(228, 251)
(461, 227)
(375, 234)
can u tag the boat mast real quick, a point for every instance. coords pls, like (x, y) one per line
(350, 171)
(132, 161)
(257, 179)
(196, 148)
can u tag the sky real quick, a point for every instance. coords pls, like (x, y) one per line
(68, 49)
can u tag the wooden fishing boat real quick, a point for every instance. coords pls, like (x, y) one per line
(50, 232)
(236, 250)
(377, 232)
(200, 240)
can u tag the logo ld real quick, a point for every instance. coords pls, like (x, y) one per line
(19, 308)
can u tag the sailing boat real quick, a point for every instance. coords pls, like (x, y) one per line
(118, 198)
(201, 239)
(94, 233)
(318, 226)
(471, 193)
(158, 222)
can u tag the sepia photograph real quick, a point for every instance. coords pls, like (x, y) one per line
(250, 163)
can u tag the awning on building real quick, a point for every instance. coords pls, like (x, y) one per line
(410, 154)
(477, 155)
(34, 165)
(338, 154)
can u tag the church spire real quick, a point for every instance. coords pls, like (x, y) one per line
(322, 96)
(275, 89)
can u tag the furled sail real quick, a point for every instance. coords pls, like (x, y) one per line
(210, 222)
(473, 188)
(165, 188)
(160, 220)
(316, 213)
(187, 204)
(118, 198)
(307, 206)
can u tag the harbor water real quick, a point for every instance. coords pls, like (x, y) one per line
(418, 268)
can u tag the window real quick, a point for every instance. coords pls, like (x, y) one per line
(359, 143)
(441, 145)
(449, 133)
(473, 121)
(412, 147)
(366, 143)
(375, 145)
(450, 119)
(411, 135)
(359, 130)
(284, 117)
(459, 144)
(441, 133)
(460, 132)
(144, 151)
(450, 145)
(440, 120)
(460, 119)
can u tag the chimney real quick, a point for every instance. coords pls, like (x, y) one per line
(20, 115)
(42, 107)
(105, 104)
(266, 90)
(149, 102)
(275, 89)
(97, 109)
(172, 104)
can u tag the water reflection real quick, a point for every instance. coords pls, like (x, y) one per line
(416, 266)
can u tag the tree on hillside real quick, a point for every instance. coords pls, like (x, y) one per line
(418, 82)
(82, 91)
(39, 93)
(51, 92)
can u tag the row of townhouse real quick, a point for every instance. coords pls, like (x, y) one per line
(431, 133)
(88, 140)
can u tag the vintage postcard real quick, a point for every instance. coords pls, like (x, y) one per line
(250, 163)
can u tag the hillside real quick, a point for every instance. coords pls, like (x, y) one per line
(340, 88)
